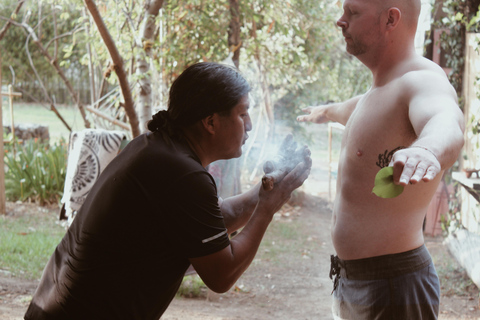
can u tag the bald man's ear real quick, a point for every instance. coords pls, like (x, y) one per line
(393, 19)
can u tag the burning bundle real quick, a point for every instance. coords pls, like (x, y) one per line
(288, 157)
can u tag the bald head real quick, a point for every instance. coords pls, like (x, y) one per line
(410, 10)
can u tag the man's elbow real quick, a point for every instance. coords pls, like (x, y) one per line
(220, 280)
(455, 149)
(220, 285)
(460, 140)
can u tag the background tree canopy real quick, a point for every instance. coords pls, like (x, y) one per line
(292, 51)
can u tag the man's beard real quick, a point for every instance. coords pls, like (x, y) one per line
(355, 50)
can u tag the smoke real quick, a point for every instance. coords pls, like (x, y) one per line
(283, 153)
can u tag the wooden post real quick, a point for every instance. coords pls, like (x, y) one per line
(331, 126)
(329, 161)
(10, 103)
(2, 152)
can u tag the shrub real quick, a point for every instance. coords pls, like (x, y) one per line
(192, 287)
(35, 171)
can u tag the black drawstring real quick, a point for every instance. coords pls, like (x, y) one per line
(334, 271)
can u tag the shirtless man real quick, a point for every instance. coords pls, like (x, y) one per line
(409, 119)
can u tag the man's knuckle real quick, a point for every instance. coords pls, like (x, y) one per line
(409, 165)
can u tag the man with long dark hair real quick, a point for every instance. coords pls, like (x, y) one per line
(154, 210)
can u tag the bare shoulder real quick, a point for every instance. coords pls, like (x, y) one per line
(428, 91)
(425, 76)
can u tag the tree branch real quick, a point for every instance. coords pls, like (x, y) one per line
(118, 66)
(59, 71)
(8, 24)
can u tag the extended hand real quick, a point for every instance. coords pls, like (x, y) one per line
(313, 114)
(276, 197)
(414, 164)
(288, 157)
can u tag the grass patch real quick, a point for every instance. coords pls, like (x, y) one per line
(36, 113)
(27, 243)
(285, 230)
(281, 238)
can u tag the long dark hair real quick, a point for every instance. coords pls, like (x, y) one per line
(201, 90)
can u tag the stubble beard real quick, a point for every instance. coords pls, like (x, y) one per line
(360, 45)
(356, 48)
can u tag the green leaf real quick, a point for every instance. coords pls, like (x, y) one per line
(384, 186)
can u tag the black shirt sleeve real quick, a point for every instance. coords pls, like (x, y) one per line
(200, 228)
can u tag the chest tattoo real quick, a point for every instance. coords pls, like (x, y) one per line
(385, 158)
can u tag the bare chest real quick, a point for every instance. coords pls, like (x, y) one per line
(378, 126)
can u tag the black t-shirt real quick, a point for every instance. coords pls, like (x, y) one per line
(125, 254)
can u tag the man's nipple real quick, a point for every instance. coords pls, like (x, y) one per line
(359, 153)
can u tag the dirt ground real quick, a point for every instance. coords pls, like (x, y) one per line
(287, 280)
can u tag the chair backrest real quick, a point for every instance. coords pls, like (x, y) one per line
(89, 152)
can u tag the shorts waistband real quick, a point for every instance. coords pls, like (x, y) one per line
(386, 266)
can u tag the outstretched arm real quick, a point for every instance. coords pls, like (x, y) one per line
(221, 270)
(238, 209)
(336, 112)
(439, 125)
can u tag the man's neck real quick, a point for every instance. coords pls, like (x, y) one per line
(390, 65)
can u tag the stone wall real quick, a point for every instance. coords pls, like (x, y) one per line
(25, 131)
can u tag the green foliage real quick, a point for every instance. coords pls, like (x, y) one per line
(192, 287)
(49, 21)
(452, 221)
(458, 20)
(303, 55)
(294, 45)
(35, 171)
(194, 31)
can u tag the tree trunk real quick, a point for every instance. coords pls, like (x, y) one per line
(117, 66)
(2, 163)
(264, 84)
(227, 173)
(147, 33)
(91, 70)
(234, 42)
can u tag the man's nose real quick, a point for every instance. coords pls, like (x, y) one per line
(342, 23)
(248, 124)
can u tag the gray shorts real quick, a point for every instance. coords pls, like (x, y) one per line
(397, 286)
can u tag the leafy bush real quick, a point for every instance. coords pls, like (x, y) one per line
(35, 171)
(192, 287)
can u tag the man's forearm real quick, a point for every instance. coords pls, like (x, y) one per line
(341, 112)
(443, 138)
(220, 271)
(237, 210)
